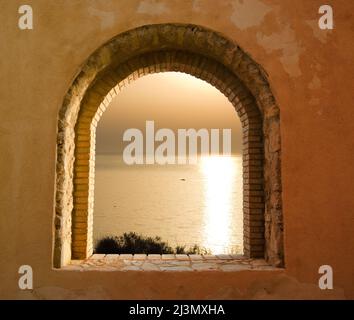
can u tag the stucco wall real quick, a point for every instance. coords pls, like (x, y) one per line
(311, 73)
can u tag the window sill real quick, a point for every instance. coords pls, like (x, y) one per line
(168, 262)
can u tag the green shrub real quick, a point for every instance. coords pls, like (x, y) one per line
(107, 245)
(131, 243)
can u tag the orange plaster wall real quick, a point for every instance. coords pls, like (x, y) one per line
(311, 73)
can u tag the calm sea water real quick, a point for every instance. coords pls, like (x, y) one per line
(183, 204)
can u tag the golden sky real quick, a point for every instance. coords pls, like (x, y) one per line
(173, 100)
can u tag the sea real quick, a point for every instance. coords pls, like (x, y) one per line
(182, 204)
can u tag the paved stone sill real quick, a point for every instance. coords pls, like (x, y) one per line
(167, 262)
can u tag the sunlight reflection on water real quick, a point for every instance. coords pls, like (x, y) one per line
(219, 175)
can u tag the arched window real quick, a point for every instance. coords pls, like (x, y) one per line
(159, 48)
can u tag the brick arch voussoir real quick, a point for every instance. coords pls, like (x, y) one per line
(180, 61)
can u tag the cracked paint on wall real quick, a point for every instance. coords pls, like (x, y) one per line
(251, 13)
(290, 49)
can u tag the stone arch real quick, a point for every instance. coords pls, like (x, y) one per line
(158, 48)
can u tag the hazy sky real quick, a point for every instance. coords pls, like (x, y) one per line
(171, 99)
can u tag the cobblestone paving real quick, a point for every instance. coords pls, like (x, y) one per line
(167, 262)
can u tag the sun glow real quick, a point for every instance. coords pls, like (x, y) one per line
(219, 174)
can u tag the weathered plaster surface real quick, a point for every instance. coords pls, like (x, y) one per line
(321, 35)
(211, 285)
(249, 13)
(152, 7)
(315, 83)
(106, 18)
(288, 47)
(38, 67)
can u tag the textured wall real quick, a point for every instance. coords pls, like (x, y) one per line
(311, 75)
